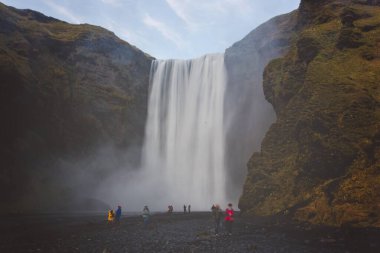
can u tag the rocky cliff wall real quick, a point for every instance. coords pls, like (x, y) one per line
(320, 161)
(248, 113)
(66, 90)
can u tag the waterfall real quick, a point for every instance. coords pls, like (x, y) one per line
(184, 147)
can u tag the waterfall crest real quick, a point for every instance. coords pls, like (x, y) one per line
(184, 147)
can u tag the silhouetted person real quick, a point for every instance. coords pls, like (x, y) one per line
(217, 215)
(188, 208)
(146, 215)
(118, 214)
(229, 219)
(184, 208)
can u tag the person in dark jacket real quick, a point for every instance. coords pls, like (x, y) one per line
(217, 215)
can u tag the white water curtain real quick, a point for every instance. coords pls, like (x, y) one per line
(184, 148)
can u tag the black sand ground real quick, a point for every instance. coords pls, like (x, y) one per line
(175, 233)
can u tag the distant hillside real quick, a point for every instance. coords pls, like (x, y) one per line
(320, 161)
(65, 89)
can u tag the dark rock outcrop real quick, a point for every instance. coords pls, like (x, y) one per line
(320, 161)
(65, 89)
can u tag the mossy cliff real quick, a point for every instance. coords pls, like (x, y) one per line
(320, 161)
(65, 91)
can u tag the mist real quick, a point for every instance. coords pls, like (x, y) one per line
(205, 119)
(248, 114)
(199, 135)
(183, 152)
(177, 168)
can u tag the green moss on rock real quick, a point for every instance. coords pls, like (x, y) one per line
(321, 158)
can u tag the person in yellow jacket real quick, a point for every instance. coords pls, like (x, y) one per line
(111, 216)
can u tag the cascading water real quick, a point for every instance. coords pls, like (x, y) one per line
(184, 148)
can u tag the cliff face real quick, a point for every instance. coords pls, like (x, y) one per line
(320, 161)
(248, 113)
(65, 89)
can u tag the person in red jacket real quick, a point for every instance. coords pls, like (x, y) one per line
(229, 219)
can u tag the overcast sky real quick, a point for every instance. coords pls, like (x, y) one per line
(167, 28)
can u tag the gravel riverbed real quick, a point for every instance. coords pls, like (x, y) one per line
(177, 232)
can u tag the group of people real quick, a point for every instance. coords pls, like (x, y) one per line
(228, 218)
(186, 209)
(217, 214)
(114, 216)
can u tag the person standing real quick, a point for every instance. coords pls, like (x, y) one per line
(188, 208)
(217, 215)
(184, 209)
(118, 214)
(146, 215)
(229, 219)
(111, 216)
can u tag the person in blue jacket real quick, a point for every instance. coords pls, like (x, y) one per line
(118, 214)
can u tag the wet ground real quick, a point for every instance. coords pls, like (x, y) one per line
(175, 233)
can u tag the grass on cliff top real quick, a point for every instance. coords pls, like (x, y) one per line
(61, 30)
(372, 19)
(351, 65)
